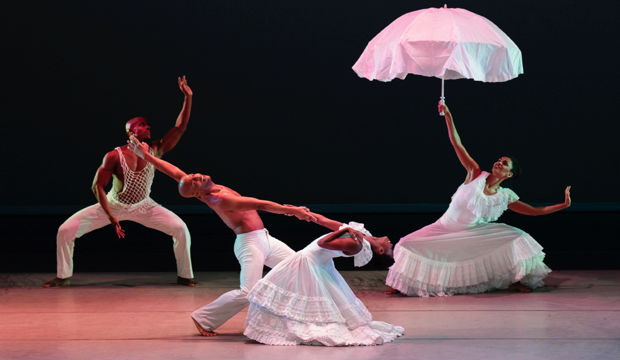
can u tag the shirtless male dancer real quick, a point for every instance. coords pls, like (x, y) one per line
(254, 247)
(129, 199)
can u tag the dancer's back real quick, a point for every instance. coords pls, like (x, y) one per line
(228, 205)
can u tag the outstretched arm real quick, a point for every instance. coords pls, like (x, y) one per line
(172, 137)
(243, 203)
(525, 209)
(321, 220)
(473, 170)
(326, 222)
(102, 178)
(161, 165)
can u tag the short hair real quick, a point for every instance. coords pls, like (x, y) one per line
(516, 168)
(382, 261)
(130, 122)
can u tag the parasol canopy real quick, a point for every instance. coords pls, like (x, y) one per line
(441, 42)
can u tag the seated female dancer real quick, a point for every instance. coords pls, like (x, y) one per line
(464, 252)
(304, 300)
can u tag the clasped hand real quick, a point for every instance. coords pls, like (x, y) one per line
(356, 234)
(300, 212)
(442, 108)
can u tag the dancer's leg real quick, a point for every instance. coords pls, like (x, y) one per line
(80, 223)
(164, 220)
(251, 255)
(278, 251)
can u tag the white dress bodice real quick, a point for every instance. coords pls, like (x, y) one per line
(470, 206)
(321, 255)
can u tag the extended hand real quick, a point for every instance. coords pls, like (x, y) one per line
(184, 87)
(138, 147)
(117, 227)
(567, 196)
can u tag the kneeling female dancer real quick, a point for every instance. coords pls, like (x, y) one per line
(464, 252)
(305, 301)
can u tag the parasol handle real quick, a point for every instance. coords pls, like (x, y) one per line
(442, 98)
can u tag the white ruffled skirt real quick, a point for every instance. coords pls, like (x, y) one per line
(439, 260)
(302, 301)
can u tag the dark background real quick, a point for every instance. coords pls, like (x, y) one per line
(279, 114)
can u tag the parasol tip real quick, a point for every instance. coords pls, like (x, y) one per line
(445, 6)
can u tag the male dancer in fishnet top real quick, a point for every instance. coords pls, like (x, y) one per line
(129, 199)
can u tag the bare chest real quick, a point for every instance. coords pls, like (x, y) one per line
(221, 204)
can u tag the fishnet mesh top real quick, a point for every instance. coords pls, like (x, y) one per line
(136, 190)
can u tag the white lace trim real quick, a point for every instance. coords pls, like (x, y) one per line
(307, 309)
(267, 328)
(365, 255)
(519, 260)
(488, 208)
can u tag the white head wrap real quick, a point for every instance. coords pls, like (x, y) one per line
(363, 257)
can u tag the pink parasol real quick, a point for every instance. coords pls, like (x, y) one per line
(442, 42)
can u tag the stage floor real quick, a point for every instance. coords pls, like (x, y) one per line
(145, 315)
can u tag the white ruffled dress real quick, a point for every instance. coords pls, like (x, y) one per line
(305, 301)
(464, 252)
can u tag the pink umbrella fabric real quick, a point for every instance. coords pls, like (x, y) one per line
(446, 43)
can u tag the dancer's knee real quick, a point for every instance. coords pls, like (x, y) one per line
(66, 233)
(180, 229)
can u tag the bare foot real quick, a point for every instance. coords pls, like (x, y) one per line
(392, 292)
(203, 331)
(186, 282)
(519, 287)
(58, 282)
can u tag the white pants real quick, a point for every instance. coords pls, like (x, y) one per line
(93, 217)
(253, 250)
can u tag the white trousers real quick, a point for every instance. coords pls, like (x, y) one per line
(253, 250)
(93, 217)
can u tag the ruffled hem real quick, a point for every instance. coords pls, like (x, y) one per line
(520, 260)
(270, 329)
(306, 309)
(489, 208)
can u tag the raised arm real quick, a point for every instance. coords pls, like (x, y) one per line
(172, 137)
(161, 165)
(243, 203)
(350, 245)
(525, 209)
(102, 178)
(473, 170)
